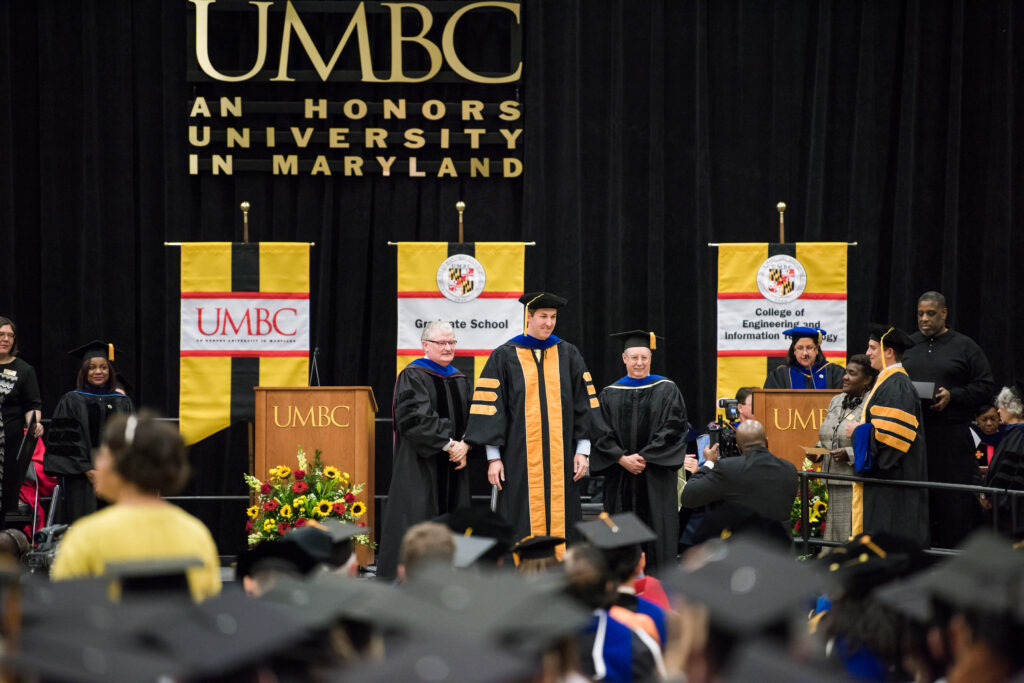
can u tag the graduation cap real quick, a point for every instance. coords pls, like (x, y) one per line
(635, 338)
(766, 661)
(800, 332)
(747, 586)
(535, 300)
(908, 596)
(469, 549)
(294, 552)
(95, 349)
(445, 660)
(729, 520)
(146, 578)
(870, 560)
(987, 575)
(481, 521)
(616, 531)
(341, 535)
(890, 335)
(537, 547)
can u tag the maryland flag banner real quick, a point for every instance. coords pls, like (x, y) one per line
(473, 285)
(244, 323)
(764, 289)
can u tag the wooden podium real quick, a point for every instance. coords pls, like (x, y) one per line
(791, 418)
(338, 421)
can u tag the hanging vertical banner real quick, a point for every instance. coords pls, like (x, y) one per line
(244, 323)
(475, 286)
(764, 289)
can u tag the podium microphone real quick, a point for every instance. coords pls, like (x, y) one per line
(313, 369)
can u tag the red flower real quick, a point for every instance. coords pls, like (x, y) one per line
(265, 489)
(301, 521)
(248, 526)
(299, 474)
(283, 527)
(796, 527)
(362, 524)
(823, 527)
(349, 497)
(339, 508)
(271, 505)
(300, 487)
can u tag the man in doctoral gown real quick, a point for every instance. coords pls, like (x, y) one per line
(890, 444)
(963, 381)
(429, 411)
(644, 446)
(533, 408)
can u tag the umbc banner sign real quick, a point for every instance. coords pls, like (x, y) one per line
(422, 90)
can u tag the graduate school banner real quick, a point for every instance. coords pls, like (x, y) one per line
(764, 289)
(473, 285)
(244, 323)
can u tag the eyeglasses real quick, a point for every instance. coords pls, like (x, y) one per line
(442, 344)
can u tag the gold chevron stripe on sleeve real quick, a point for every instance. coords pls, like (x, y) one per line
(586, 376)
(594, 403)
(895, 413)
(895, 428)
(477, 409)
(591, 390)
(894, 441)
(484, 396)
(487, 383)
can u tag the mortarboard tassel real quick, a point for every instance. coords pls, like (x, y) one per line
(654, 344)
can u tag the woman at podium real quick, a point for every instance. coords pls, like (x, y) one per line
(805, 367)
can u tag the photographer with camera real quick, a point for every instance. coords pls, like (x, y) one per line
(754, 477)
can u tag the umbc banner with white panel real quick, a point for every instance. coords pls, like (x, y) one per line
(764, 289)
(475, 286)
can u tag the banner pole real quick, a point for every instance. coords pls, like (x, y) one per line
(244, 206)
(781, 208)
(460, 206)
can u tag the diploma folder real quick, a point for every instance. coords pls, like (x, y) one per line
(926, 390)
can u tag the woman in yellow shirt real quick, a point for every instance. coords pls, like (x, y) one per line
(139, 459)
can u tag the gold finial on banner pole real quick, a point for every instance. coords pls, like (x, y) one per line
(781, 207)
(244, 206)
(460, 206)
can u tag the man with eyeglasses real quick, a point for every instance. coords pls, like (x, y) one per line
(533, 408)
(429, 411)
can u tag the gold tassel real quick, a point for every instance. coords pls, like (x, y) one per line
(526, 310)
(110, 352)
(654, 343)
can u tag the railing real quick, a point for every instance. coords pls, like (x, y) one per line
(995, 494)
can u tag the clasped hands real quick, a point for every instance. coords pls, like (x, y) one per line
(633, 463)
(457, 454)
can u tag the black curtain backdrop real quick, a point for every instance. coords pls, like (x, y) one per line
(652, 129)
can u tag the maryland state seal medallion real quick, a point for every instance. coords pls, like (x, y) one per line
(781, 279)
(461, 278)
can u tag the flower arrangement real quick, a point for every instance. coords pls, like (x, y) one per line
(290, 499)
(817, 506)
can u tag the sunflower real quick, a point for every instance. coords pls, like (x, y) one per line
(323, 508)
(283, 472)
(331, 472)
(270, 524)
(820, 507)
(357, 509)
(285, 511)
(253, 512)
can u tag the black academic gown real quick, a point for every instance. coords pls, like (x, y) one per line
(75, 431)
(954, 361)
(428, 409)
(822, 376)
(647, 417)
(534, 401)
(890, 444)
(1006, 471)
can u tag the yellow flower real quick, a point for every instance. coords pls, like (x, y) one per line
(345, 475)
(272, 473)
(253, 512)
(357, 509)
(331, 472)
(270, 524)
(285, 511)
(299, 503)
(283, 472)
(323, 508)
(820, 507)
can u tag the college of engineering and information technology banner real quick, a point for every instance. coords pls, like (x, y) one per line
(473, 285)
(764, 289)
(244, 323)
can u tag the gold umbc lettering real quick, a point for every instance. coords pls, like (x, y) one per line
(357, 25)
(319, 417)
(794, 420)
